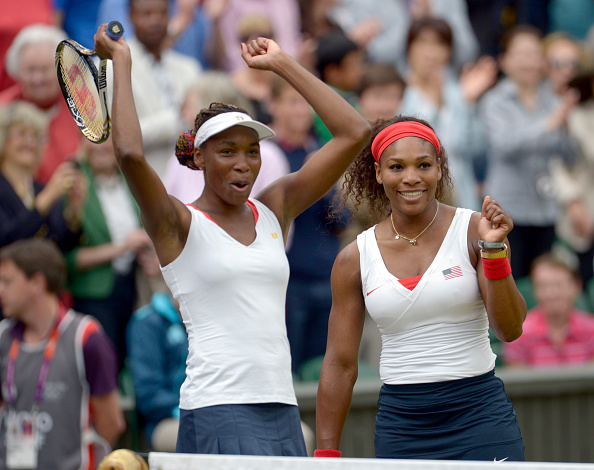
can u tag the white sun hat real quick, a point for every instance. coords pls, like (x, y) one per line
(224, 121)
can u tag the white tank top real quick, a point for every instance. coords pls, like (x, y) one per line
(232, 301)
(439, 330)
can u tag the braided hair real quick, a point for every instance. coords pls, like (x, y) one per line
(360, 188)
(184, 147)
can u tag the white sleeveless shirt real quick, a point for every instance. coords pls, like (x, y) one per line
(439, 330)
(232, 301)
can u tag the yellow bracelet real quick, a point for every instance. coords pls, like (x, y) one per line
(499, 254)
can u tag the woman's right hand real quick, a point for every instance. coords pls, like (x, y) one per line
(107, 48)
(262, 54)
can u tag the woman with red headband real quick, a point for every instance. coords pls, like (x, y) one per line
(433, 277)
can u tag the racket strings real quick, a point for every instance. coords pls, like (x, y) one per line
(80, 83)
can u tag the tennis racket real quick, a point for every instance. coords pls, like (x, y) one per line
(84, 88)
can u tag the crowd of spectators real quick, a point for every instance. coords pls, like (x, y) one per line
(507, 84)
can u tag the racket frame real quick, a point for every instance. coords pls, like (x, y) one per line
(99, 77)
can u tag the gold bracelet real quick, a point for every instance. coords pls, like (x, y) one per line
(499, 254)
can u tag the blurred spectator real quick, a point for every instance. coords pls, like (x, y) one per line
(555, 333)
(284, 17)
(28, 208)
(186, 184)
(254, 84)
(59, 381)
(563, 58)
(161, 79)
(15, 16)
(525, 122)
(78, 19)
(315, 241)
(573, 183)
(340, 64)
(192, 28)
(101, 269)
(362, 18)
(380, 92)
(30, 61)
(157, 345)
(448, 102)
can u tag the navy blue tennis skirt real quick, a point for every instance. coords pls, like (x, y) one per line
(253, 429)
(465, 419)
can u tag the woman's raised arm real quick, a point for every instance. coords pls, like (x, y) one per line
(292, 194)
(165, 219)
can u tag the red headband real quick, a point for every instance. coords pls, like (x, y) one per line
(397, 131)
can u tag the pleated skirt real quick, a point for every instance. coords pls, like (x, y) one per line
(253, 429)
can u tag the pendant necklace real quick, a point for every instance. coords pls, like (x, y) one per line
(413, 241)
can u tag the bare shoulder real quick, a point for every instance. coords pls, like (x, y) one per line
(347, 265)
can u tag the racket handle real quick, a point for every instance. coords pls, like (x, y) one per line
(115, 30)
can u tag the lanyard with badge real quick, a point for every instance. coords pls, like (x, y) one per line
(22, 437)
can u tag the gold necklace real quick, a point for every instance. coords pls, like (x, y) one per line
(413, 241)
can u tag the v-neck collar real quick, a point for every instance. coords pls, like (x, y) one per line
(255, 213)
(395, 281)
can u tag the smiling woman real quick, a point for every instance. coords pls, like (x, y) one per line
(433, 277)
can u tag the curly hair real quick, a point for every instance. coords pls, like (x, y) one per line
(360, 188)
(184, 147)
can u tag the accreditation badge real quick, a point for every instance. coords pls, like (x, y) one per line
(21, 440)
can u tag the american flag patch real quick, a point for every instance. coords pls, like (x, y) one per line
(450, 273)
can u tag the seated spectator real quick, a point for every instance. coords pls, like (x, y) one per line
(30, 62)
(381, 27)
(28, 208)
(15, 16)
(564, 58)
(339, 63)
(380, 92)
(101, 268)
(555, 333)
(59, 380)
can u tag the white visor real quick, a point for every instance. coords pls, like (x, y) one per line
(224, 121)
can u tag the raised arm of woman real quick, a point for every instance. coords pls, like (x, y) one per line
(506, 308)
(294, 193)
(165, 219)
(339, 369)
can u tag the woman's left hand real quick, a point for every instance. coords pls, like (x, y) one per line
(261, 53)
(495, 223)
